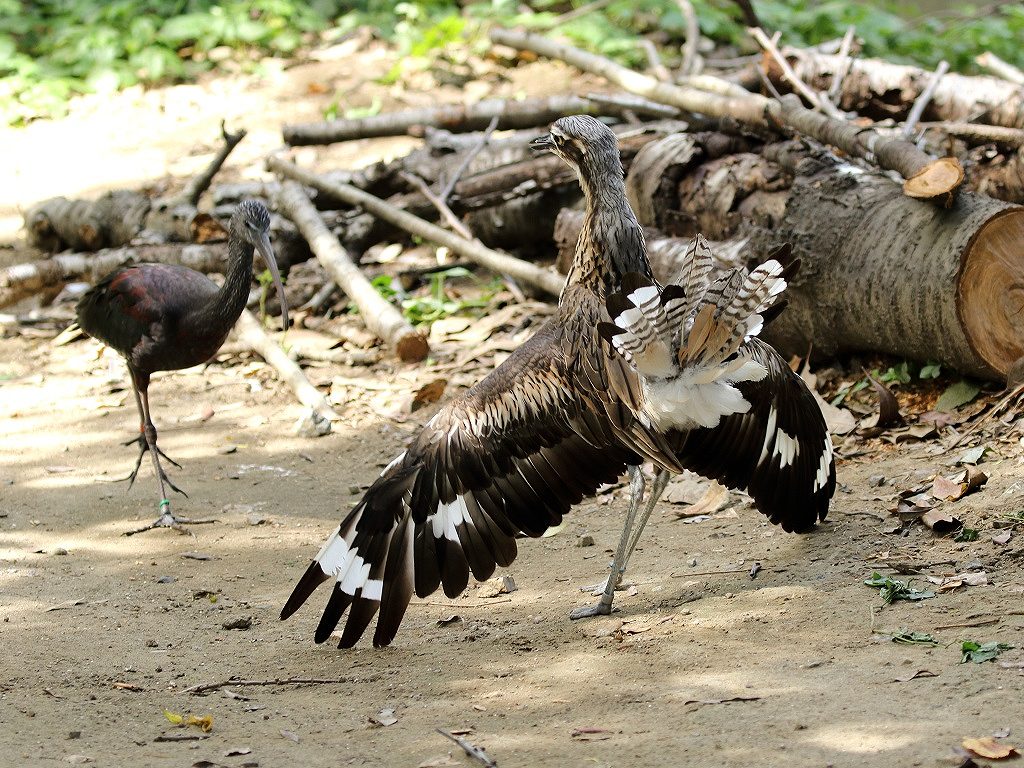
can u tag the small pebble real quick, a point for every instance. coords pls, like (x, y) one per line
(313, 425)
(60, 551)
(166, 580)
(242, 623)
(586, 540)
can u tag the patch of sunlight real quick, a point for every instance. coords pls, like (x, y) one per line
(716, 685)
(867, 738)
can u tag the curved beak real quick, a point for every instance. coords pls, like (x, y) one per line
(543, 143)
(266, 252)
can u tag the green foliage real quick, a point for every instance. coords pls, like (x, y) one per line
(51, 50)
(906, 637)
(892, 590)
(930, 370)
(438, 304)
(967, 534)
(979, 652)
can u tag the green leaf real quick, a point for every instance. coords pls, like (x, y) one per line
(981, 652)
(906, 637)
(892, 590)
(930, 371)
(956, 395)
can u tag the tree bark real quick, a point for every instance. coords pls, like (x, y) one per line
(456, 117)
(380, 317)
(893, 275)
(926, 177)
(882, 90)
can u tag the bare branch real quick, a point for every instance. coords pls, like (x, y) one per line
(380, 316)
(470, 749)
(496, 261)
(692, 38)
(922, 101)
(1003, 69)
(250, 332)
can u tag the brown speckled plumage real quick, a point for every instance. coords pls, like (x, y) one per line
(560, 417)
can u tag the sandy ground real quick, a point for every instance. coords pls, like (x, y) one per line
(101, 634)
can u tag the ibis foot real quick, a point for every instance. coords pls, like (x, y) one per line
(169, 520)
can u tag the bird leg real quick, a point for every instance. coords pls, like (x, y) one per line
(625, 550)
(147, 439)
(604, 605)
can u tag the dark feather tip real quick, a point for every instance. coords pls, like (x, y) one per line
(609, 330)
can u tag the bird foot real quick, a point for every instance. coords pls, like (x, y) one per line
(588, 611)
(168, 520)
(143, 447)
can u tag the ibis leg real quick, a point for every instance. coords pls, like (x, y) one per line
(167, 518)
(618, 564)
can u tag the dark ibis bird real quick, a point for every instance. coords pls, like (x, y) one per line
(163, 317)
(625, 372)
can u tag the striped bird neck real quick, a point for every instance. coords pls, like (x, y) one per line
(611, 242)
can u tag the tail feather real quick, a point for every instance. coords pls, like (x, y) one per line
(686, 340)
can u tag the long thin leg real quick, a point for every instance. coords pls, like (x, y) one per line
(604, 605)
(167, 519)
(143, 440)
(657, 488)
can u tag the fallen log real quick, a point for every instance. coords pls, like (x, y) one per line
(455, 117)
(251, 334)
(927, 177)
(889, 274)
(502, 263)
(20, 281)
(380, 317)
(883, 90)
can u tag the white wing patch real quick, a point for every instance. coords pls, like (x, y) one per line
(344, 564)
(447, 517)
(786, 448)
(824, 465)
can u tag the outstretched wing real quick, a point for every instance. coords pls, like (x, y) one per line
(504, 458)
(779, 451)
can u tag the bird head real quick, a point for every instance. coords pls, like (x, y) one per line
(251, 222)
(584, 142)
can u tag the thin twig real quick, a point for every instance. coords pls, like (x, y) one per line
(234, 681)
(818, 101)
(846, 62)
(980, 132)
(709, 573)
(438, 202)
(654, 62)
(922, 100)
(446, 190)
(633, 103)
(496, 261)
(472, 750)
(966, 624)
(692, 38)
(198, 184)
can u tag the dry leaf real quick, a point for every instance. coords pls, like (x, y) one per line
(204, 723)
(722, 701)
(290, 735)
(237, 751)
(591, 734)
(888, 407)
(940, 521)
(128, 687)
(914, 676)
(715, 497)
(1002, 538)
(429, 393)
(989, 748)
(384, 718)
(944, 488)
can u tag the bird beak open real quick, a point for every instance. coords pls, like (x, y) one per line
(266, 252)
(543, 143)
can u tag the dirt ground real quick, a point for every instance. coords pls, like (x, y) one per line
(702, 664)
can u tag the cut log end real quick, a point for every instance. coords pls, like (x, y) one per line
(939, 178)
(412, 347)
(991, 290)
